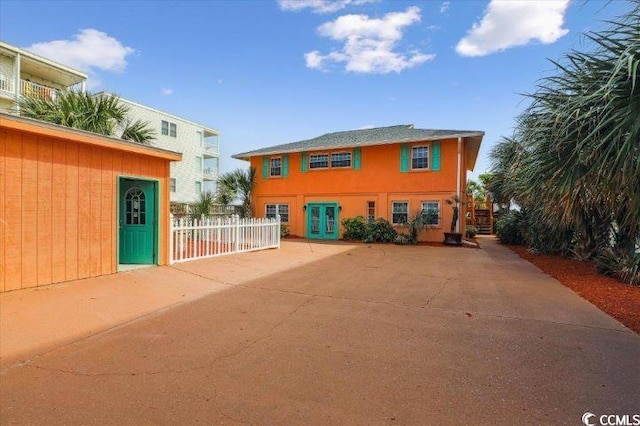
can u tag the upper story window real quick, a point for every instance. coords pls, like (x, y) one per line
(198, 187)
(340, 159)
(172, 185)
(199, 164)
(318, 161)
(169, 129)
(275, 166)
(420, 157)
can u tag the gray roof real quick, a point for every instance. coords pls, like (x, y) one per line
(365, 137)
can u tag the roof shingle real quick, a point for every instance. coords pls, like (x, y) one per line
(364, 137)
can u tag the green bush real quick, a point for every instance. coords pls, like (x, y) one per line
(472, 231)
(355, 228)
(380, 231)
(510, 228)
(284, 230)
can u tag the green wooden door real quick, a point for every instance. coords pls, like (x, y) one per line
(137, 221)
(322, 221)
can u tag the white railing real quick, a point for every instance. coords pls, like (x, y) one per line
(6, 83)
(211, 149)
(210, 173)
(210, 237)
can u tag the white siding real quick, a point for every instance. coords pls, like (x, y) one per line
(188, 141)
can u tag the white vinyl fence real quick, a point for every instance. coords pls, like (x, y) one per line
(210, 237)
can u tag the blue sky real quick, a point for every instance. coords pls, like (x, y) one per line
(266, 72)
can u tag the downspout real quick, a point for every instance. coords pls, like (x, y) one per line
(458, 182)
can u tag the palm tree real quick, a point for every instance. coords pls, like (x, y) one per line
(204, 204)
(103, 114)
(238, 184)
(575, 168)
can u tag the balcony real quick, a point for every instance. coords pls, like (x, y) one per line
(27, 88)
(210, 173)
(211, 150)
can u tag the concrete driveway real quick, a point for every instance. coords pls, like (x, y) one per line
(323, 334)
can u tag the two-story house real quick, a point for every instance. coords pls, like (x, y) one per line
(24, 73)
(198, 171)
(387, 172)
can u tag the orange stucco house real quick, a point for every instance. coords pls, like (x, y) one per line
(75, 204)
(387, 172)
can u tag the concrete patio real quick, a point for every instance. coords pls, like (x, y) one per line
(316, 333)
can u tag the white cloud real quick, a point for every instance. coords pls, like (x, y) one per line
(220, 81)
(507, 24)
(444, 6)
(167, 92)
(90, 49)
(369, 44)
(320, 6)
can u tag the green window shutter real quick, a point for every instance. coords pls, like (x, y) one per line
(404, 158)
(435, 156)
(285, 165)
(303, 162)
(356, 158)
(265, 167)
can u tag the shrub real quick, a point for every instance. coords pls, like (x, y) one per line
(284, 230)
(354, 228)
(510, 228)
(472, 231)
(380, 231)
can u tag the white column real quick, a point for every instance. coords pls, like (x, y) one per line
(458, 182)
(16, 79)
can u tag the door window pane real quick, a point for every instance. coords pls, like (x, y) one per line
(135, 213)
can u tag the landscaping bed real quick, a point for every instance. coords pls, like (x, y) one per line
(617, 299)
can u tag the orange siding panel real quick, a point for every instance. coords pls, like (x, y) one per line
(29, 211)
(71, 211)
(3, 223)
(95, 191)
(58, 190)
(44, 207)
(13, 214)
(107, 229)
(84, 211)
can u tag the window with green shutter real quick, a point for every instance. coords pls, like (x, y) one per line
(303, 162)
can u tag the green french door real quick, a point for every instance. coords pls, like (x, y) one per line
(322, 221)
(137, 221)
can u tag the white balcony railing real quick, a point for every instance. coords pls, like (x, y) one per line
(210, 173)
(27, 88)
(211, 150)
(6, 83)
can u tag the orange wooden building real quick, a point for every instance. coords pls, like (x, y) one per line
(74, 204)
(388, 172)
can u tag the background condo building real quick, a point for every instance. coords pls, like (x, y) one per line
(23, 73)
(199, 145)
